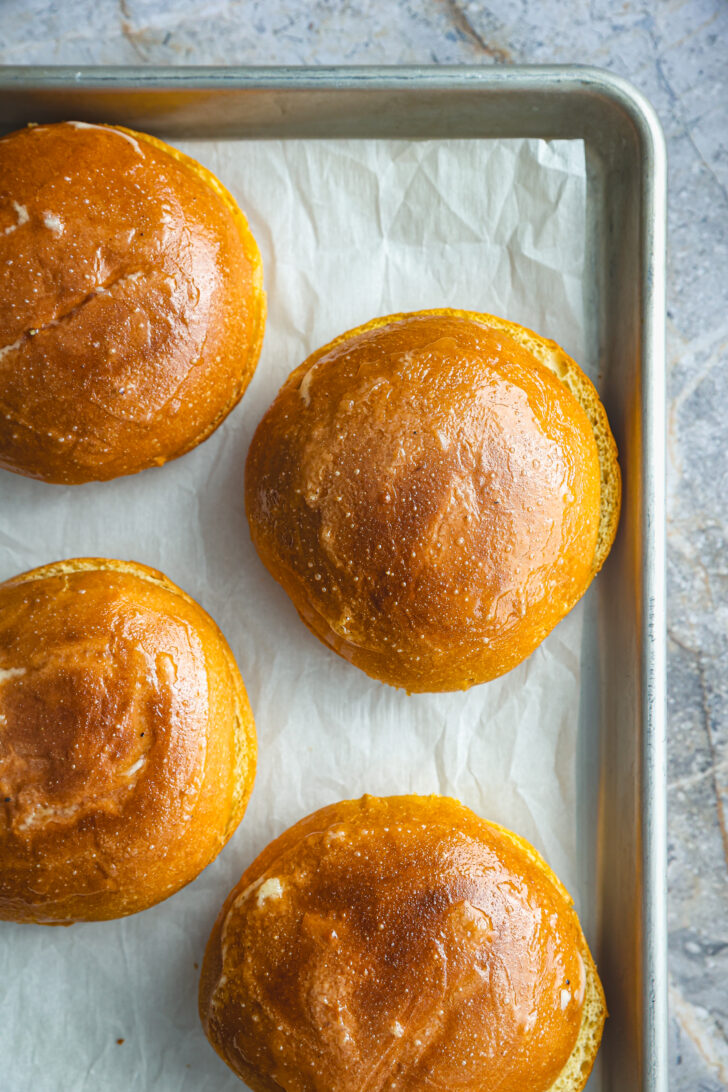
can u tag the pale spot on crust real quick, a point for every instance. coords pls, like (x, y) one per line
(271, 889)
(53, 223)
(40, 815)
(565, 998)
(304, 389)
(397, 1030)
(245, 894)
(7, 673)
(10, 348)
(22, 214)
(125, 136)
(135, 768)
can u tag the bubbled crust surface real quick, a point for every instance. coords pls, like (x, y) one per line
(427, 491)
(398, 944)
(131, 302)
(127, 745)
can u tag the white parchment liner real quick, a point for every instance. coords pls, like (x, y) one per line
(348, 230)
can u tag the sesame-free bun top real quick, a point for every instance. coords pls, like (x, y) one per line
(434, 491)
(400, 944)
(127, 745)
(131, 302)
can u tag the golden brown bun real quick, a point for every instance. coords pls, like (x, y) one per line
(401, 944)
(127, 745)
(434, 491)
(131, 302)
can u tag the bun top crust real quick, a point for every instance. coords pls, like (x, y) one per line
(398, 943)
(131, 302)
(127, 747)
(427, 491)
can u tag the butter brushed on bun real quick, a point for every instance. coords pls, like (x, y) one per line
(127, 744)
(401, 943)
(131, 302)
(434, 491)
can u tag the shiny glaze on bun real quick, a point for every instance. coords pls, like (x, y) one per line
(401, 944)
(131, 302)
(127, 745)
(434, 491)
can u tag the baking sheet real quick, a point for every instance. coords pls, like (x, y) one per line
(348, 230)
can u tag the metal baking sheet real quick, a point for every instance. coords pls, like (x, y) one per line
(622, 747)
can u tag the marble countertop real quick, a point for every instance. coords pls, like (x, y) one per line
(676, 51)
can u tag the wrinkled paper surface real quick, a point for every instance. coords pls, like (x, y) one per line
(348, 230)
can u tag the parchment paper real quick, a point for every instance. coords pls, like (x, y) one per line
(348, 230)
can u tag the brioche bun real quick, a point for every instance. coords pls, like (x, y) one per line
(127, 745)
(401, 943)
(131, 302)
(434, 491)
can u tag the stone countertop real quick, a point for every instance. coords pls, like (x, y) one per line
(676, 51)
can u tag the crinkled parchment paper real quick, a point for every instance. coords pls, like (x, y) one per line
(348, 230)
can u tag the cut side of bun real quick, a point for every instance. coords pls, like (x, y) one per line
(575, 1073)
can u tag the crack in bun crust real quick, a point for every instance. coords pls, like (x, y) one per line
(127, 744)
(131, 302)
(434, 491)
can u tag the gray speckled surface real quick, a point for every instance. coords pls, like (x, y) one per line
(676, 51)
